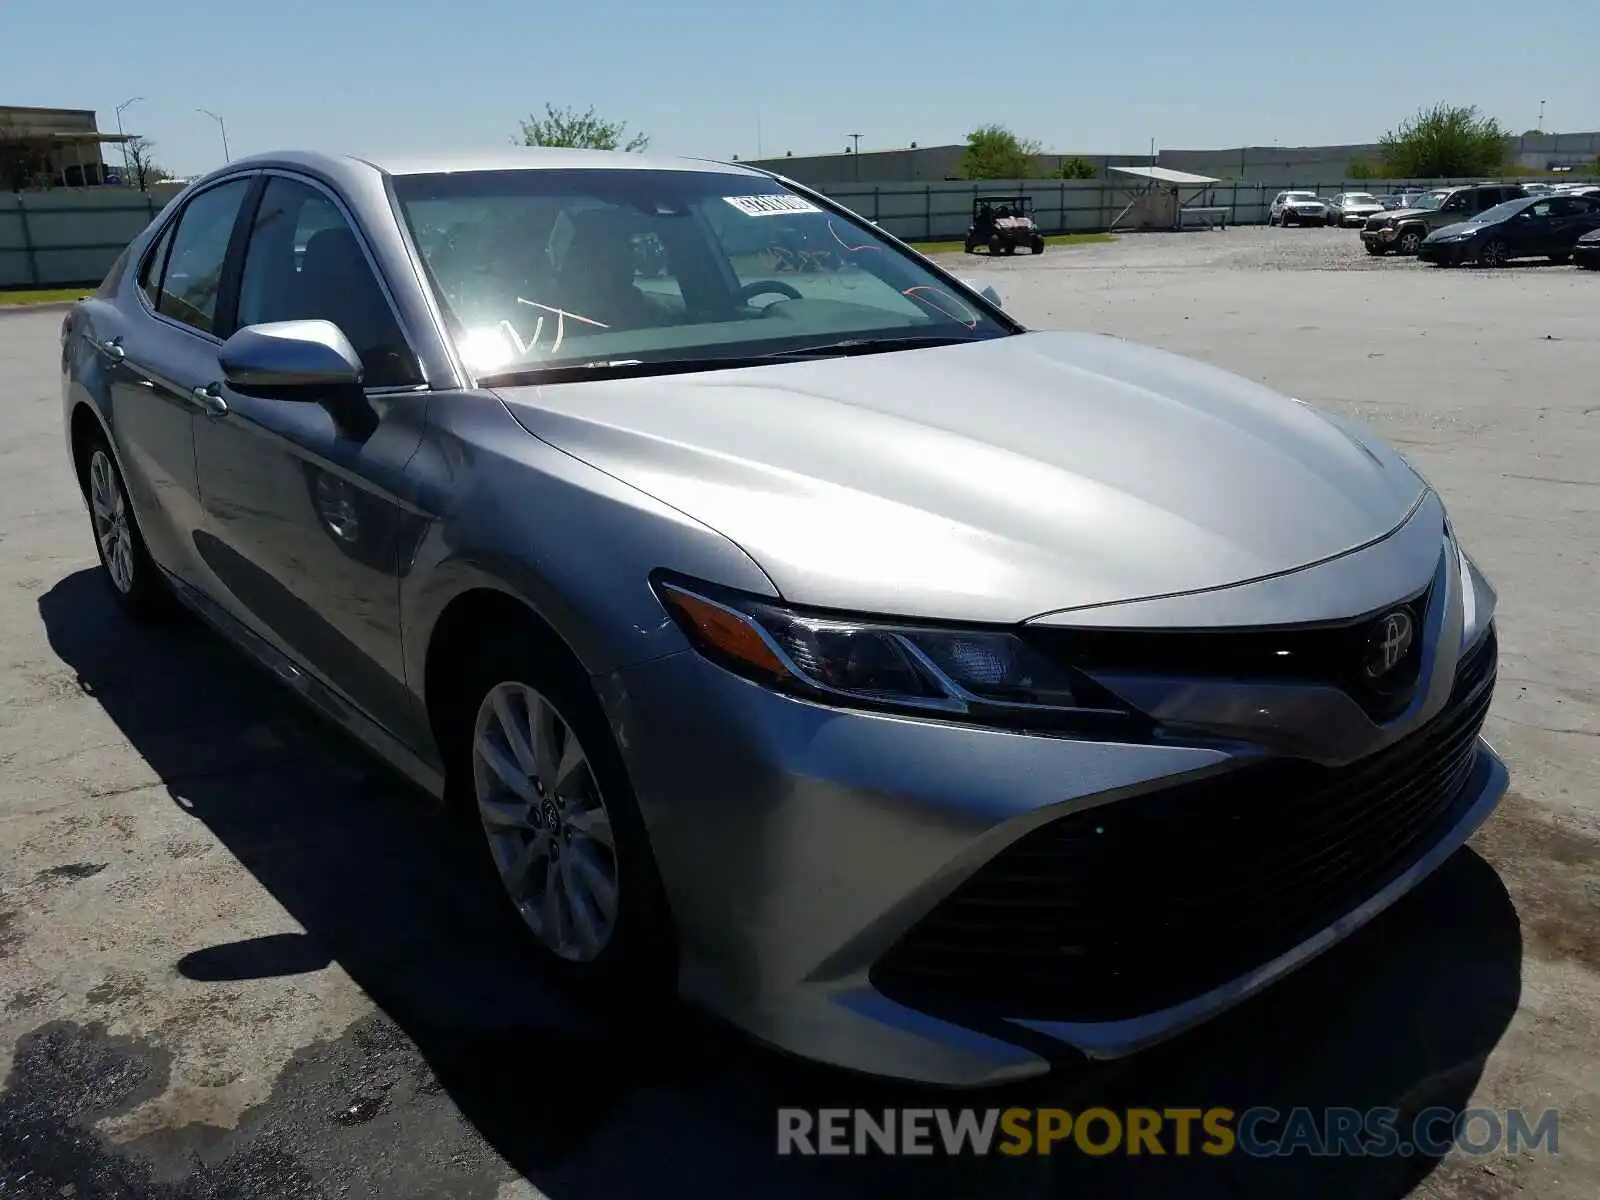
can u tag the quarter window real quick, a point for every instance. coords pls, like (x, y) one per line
(193, 277)
(150, 274)
(304, 263)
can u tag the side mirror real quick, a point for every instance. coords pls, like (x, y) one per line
(306, 357)
(985, 289)
(305, 361)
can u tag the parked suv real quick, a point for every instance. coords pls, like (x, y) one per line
(1403, 230)
(1297, 208)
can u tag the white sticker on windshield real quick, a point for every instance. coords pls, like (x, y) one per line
(771, 206)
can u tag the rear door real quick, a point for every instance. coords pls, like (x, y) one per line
(167, 349)
(1572, 217)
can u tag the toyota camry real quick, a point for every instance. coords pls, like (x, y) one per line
(794, 631)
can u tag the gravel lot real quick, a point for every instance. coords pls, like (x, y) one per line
(236, 959)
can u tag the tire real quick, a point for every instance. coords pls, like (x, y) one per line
(1375, 251)
(1495, 253)
(1590, 264)
(517, 670)
(130, 573)
(1037, 247)
(969, 248)
(1561, 257)
(1011, 248)
(996, 246)
(1410, 241)
(1271, 221)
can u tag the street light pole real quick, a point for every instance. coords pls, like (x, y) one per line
(856, 151)
(220, 125)
(121, 135)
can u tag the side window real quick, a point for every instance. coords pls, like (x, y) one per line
(1544, 208)
(199, 249)
(304, 263)
(150, 273)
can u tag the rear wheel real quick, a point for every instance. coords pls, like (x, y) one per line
(125, 561)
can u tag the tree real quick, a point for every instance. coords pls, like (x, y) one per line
(583, 131)
(141, 163)
(1362, 169)
(1444, 141)
(24, 156)
(994, 152)
(1077, 168)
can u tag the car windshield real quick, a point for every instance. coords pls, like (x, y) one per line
(543, 269)
(1299, 195)
(1429, 200)
(1360, 198)
(1500, 212)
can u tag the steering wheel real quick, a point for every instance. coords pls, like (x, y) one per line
(760, 287)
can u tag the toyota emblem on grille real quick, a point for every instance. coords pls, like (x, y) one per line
(1388, 643)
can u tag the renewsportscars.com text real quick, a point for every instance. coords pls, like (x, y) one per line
(1257, 1132)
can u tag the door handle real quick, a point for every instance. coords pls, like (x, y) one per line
(210, 399)
(112, 349)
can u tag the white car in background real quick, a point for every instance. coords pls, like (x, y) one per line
(1297, 208)
(1353, 208)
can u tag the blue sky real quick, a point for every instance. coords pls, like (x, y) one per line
(361, 75)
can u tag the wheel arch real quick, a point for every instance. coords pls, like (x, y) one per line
(479, 611)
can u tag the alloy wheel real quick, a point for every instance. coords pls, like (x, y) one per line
(1493, 255)
(1410, 242)
(546, 821)
(109, 509)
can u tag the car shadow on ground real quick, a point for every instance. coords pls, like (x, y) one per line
(1401, 1015)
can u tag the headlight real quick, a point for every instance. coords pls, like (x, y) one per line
(989, 675)
(1478, 596)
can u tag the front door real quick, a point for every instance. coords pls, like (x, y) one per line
(155, 362)
(305, 522)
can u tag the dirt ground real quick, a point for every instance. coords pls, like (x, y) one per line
(237, 959)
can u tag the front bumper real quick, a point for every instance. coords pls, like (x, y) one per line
(801, 847)
(1384, 238)
(1305, 216)
(1451, 253)
(1586, 253)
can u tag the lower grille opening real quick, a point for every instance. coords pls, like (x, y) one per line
(1131, 907)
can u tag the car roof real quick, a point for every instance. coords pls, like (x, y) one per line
(506, 158)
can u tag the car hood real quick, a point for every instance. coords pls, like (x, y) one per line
(988, 481)
(1412, 212)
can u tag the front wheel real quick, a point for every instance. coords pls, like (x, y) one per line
(1037, 247)
(1373, 250)
(1410, 241)
(1495, 253)
(968, 247)
(996, 246)
(538, 777)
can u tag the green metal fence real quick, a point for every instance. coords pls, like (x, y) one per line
(65, 238)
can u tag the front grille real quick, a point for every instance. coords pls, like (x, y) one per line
(1136, 905)
(1331, 654)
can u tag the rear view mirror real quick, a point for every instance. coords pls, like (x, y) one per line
(985, 289)
(290, 356)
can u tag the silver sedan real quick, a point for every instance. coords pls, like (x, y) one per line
(926, 694)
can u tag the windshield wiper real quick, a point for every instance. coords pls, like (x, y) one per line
(633, 367)
(869, 345)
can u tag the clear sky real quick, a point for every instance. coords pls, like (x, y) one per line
(700, 76)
